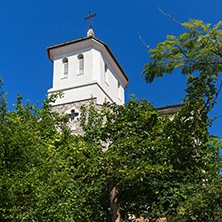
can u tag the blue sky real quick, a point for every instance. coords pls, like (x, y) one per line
(28, 27)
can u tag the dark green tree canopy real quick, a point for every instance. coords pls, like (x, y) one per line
(131, 160)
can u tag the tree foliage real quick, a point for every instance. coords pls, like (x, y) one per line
(162, 164)
(156, 161)
(131, 161)
(197, 53)
(42, 167)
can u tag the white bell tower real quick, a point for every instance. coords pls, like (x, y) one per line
(83, 69)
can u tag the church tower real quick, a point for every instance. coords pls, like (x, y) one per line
(85, 69)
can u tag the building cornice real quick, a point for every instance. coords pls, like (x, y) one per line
(50, 91)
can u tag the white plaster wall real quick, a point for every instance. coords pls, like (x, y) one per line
(96, 65)
(78, 87)
(98, 72)
(73, 78)
(83, 93)
(112, 86)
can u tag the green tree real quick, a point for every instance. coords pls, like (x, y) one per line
(152, 163)
(131, 160)
(41, 165)
(158, 165)
(197, 53)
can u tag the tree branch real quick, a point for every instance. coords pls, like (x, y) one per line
(214, 100)
(217, 50)
(171, 17)
(144, 42)
(218, 117)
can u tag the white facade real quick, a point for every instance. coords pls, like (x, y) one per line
(86, 68)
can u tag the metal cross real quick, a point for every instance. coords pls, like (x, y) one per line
(90, 18)
(73, 114)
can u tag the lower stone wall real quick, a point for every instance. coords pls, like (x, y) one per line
(74, 111)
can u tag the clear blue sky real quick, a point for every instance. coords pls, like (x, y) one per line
(28, 27)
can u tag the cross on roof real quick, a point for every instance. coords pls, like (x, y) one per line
(90, 18)
(73, 114)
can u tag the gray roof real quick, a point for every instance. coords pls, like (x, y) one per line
(169, 109)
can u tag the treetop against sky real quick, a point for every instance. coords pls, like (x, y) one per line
(27, 28)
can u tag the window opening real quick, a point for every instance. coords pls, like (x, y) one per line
(73, 114)
(119, 90)
(106, 73)
(81, 64)
(65, 64)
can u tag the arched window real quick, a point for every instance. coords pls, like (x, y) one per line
(119, 90)
(81, 63)
(66, 66)
(106, 73)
